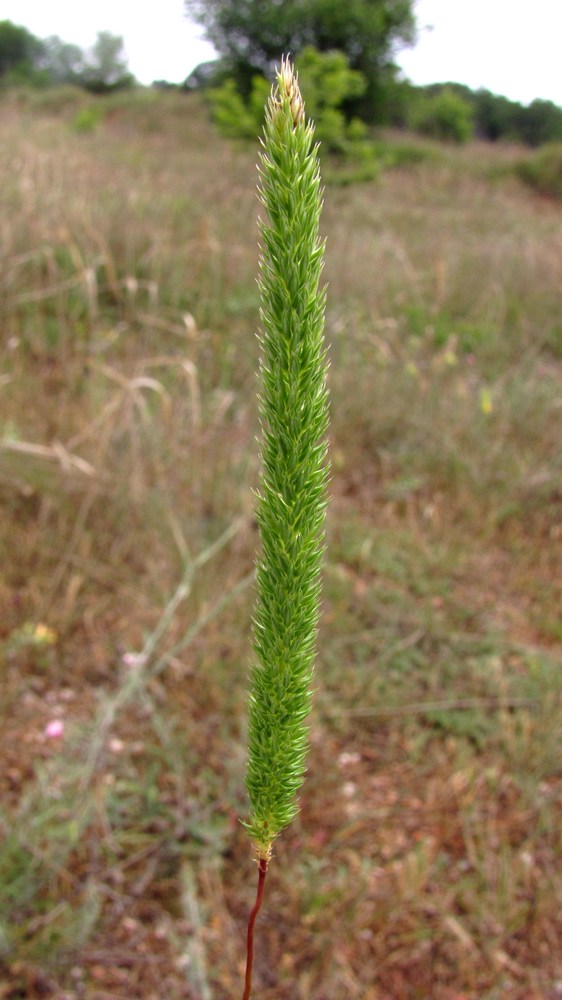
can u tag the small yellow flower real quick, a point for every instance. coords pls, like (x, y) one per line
(41, 634)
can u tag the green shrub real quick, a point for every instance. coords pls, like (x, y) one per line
(87, 119)
(326, 81)
(544, 170)
(445, 116)
(361, 164)
(235, 118)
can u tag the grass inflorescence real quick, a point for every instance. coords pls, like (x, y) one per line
(291, 502)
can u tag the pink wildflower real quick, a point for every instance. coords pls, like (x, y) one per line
(54, 730)
(134, 661)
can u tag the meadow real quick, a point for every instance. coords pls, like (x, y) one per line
(425, 862)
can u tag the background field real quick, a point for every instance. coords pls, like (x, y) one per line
(426, 859)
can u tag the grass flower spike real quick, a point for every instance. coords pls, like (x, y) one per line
(292, 493)
(291, 499)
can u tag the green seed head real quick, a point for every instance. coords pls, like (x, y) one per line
(291, 498)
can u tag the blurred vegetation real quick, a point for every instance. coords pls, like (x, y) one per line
(543, 171)
(348, 87)
(445, 115)
(251, 37)
(449, 112)
(497, 118)
(27, 60)
(326, 82)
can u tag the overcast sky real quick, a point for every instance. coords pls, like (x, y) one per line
(508, 47)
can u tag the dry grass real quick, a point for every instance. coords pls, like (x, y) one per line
(426, 859)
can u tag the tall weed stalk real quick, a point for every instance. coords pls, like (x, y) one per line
(292, 492)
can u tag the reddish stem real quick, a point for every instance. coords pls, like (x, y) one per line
(262, 872)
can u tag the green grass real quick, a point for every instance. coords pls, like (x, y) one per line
(430, 826)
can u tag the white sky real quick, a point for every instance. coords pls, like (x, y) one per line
(160, 43)
(508, 47)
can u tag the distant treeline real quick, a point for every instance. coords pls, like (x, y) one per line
(29, 61)
(494, 117)
(448, 111)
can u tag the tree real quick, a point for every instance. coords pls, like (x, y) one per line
(253, 34)
(106, 65)
(494, 116)
(539, 123)
(19, 50)
(62, 61)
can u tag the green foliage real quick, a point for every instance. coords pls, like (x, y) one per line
(446, 116)
(539, 123)
(361, 164)
(62, 62)
(328, 79)
(18, 47)
(87, 119)
(291, 498)
(495, 117)
(498, 118)
(326, 82)
(106, 65)
(544, 170)
(250, 35)
(235, 118)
